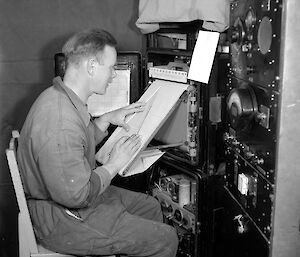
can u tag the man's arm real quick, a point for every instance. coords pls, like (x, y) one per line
(66, 172)
(118, 117)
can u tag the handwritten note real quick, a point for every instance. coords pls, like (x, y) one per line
(203, 56)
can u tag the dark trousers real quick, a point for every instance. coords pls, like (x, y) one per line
(119, 222)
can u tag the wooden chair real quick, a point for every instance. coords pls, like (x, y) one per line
(28, 246)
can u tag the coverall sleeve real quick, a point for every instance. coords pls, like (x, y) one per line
(66, 172)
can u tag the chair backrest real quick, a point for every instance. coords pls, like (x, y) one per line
(26, 234)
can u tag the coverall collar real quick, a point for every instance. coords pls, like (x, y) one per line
(76, 101)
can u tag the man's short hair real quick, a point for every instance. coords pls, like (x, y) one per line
(85, 44)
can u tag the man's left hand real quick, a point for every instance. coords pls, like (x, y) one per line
(118, 117)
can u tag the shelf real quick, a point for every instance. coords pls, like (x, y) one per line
(169, 51)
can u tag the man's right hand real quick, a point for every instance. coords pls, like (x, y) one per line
(121, 153)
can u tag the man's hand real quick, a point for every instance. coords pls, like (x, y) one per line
(121, 153)
(118, 117)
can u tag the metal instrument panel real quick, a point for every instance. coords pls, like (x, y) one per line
(253, 125)
(255, 41)
(253, 106)
(255, 196)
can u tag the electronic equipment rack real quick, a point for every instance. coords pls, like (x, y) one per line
(182, 178)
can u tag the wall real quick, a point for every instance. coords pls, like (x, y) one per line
(31, 32)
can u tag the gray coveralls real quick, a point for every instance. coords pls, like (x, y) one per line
(73, 207)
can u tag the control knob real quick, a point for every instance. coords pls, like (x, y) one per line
(166, 207)
(248, 154)
(250, 69)
(258, 161)
(178, 215)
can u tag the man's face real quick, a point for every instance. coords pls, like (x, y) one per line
(105, 71)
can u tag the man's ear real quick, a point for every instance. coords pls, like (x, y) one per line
(91, 66)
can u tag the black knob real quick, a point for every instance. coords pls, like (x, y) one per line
(250, 69)
(178, 215)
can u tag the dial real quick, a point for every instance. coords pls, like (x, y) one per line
(250, 19)
(264, 36)
(238, 32)
(163, 183)
(242, 107)
(178, 215)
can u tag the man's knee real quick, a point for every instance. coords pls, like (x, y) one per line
(169, 241)
(173, 238)
(153, 210)
(156, 205)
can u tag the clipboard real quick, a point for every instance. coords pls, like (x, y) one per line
(161, 98)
